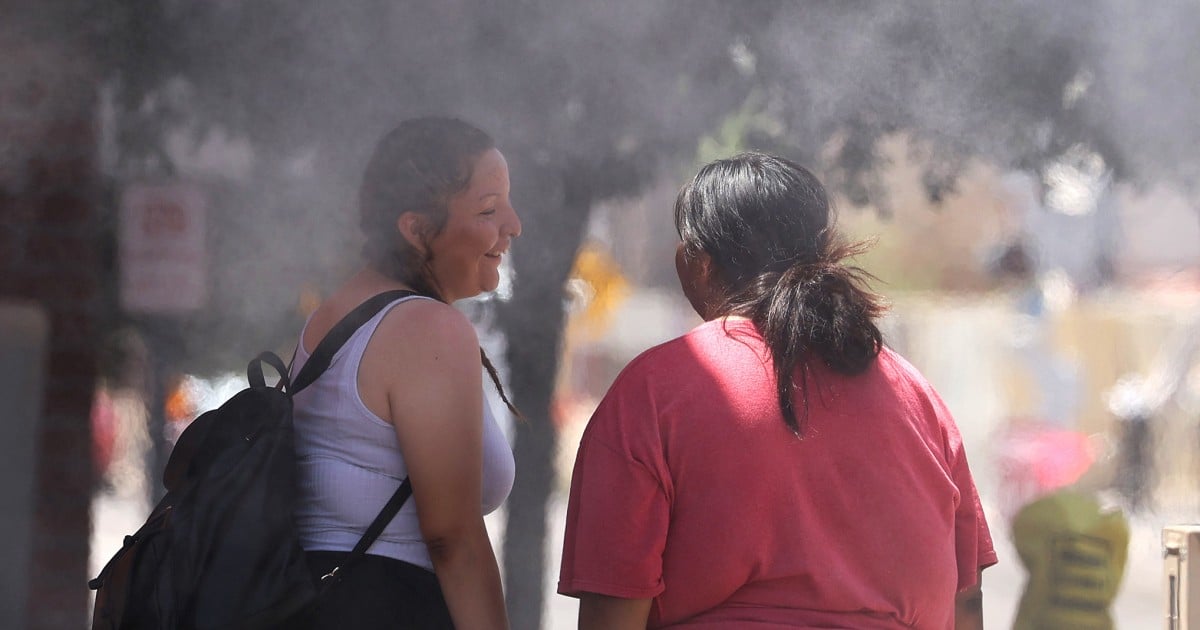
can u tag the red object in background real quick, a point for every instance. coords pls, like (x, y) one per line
(1034, 460)
(104, 431)
(1060, 457)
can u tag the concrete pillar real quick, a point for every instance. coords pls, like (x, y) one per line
(24, 329)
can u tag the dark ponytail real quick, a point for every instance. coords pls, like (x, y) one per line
(766, 224)
(822, 309)
(418, 167)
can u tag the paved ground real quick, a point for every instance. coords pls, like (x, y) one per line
(1138, 607)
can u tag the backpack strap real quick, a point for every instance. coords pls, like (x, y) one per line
(340, 334)
(254, 371)
(385, 516)
(314, 367)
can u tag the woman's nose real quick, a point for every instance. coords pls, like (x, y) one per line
(514, 224)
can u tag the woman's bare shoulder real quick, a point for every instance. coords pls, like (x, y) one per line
(422, 355)
(421, 327)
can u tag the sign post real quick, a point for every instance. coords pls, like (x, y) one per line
(162, 254)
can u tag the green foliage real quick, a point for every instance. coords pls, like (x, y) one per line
(738, 131)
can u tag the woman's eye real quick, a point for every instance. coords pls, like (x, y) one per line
(488, 211)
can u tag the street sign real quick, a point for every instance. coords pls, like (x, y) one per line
(161, 244)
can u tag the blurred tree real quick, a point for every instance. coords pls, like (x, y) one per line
(318, 83)
(590, 101)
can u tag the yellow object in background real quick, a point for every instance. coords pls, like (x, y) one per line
(608, 287)
(310, 298)
(1075, 553)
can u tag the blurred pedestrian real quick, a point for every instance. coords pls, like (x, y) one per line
(778, 466)
(404, 397)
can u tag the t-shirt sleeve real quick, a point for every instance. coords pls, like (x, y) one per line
(973, 549)
(973, 540)
(619, 509)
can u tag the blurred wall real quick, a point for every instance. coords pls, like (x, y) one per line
(999, 369)
(50, 255)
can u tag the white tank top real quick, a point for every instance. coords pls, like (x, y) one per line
(350, 463)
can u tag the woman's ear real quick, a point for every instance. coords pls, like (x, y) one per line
(413, 228)
(695, 270)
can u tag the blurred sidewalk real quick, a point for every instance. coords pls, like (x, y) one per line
(1138, 606)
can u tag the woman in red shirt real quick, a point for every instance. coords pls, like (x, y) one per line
(778, 466)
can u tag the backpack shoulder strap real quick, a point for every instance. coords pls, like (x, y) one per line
(373, 530)
(314, 367)
(340, 334)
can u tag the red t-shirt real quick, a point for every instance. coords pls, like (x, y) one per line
(689, 489)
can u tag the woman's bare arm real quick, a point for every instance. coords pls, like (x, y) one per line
(435, 400)
(968, 607)
(601, 612)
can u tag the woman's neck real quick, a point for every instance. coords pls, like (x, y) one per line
(370, 279)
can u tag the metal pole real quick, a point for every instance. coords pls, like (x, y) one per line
(161, 337)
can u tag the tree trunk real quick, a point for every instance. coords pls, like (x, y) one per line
(553, 210)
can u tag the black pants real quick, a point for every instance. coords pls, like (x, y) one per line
(378, 593)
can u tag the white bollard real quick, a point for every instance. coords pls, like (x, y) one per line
(1181, 571)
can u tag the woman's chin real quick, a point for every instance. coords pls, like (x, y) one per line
(489, 282)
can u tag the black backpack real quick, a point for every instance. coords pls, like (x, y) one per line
(220, 550)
